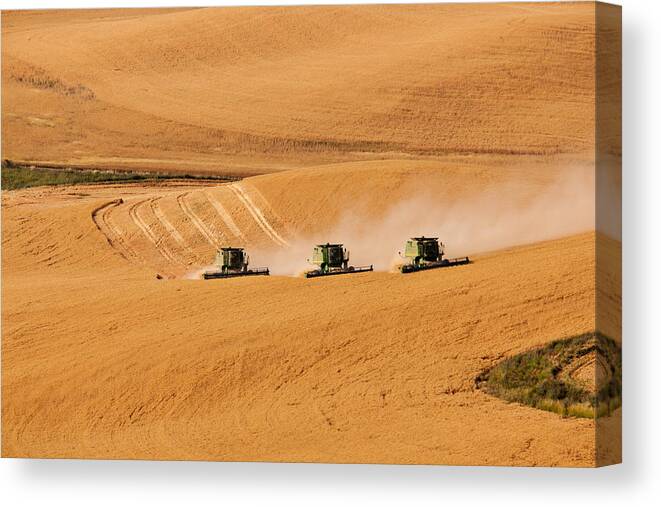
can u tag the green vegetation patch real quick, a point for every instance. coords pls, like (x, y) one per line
(579, 376)
(18, 176)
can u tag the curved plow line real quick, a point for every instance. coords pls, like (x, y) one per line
(225, 217)
(258, 216)
(137, 220)
(258, 210)
(196, 220)
(266, 203)
(115, 237)
(172, 230)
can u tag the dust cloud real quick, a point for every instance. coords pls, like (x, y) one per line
(513, 213)
(198, 273)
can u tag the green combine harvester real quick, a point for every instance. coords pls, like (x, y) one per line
(233, 262)
(427, 253)
(332, 259)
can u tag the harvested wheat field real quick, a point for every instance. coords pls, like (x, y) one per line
(360, 125)
(250, 90)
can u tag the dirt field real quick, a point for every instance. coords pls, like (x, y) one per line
(353, 130)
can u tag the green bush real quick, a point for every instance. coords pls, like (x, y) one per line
(15, 176)
(538, 377)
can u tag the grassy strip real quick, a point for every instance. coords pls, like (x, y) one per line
(540, 377)
(17, 176)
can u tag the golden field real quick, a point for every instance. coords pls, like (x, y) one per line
(362, 125)
(251, 90)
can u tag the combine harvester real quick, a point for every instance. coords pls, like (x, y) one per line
(427, 253)
(333, 259)
(233, 262)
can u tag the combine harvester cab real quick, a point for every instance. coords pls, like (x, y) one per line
(427, 253)
(333, 259)
(233, 262)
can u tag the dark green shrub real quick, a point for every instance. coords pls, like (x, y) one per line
(539, 378)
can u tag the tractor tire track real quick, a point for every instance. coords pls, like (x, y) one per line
(267, 205)
(258, 215)
(167, 225)
(199, 224)
(225, 216)
(148, 233)
(114, 236)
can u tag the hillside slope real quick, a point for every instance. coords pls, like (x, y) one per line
(222, 88)
(374, 367)
(372, 207)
